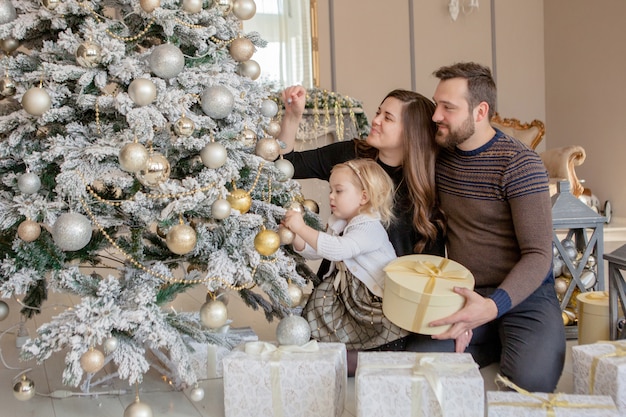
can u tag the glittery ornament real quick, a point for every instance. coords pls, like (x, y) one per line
(50, 4)
(217, 101)
(220, 209)
(28, 183)
(240, 200)
(28, 230)
(110, 344)
(311, 205)
(7, 12)
(273, 129)
(286, 168)
(268, 149)
(213, 314)
(181, 239)
(241, 49)
(92, 361)
(88, 54)
(149, 5)
(192, 6)
(267, 242)
(248, 137)
(156, 171)
(4, 310)
(7, 87)
(295, 206)
(166, 61)
(269, 108)
(133, 157)
(286, 236)
(295, 294)
(36, 101)
(213, 155)
(138, 409)
(249, 68)
(196, 394)
(293, 330)
(9, 45)
(24, 389)
(244, 9)
(225, 6)
(184, 127)
(71, 231)
(142, 91)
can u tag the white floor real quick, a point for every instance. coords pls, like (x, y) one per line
(163, 400)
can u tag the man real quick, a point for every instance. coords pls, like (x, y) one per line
(494, 191)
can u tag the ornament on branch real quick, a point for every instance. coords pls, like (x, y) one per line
(88, 54)
(181, 239)
(29, 183)
(295, 206)
(184, 127)
(295, 294)
(149, 5)
(267, 242)
(268, 149)
(293, 330)
(244, 9)
(7, 12)
(92, 361)
(241, 49)
(166, 61)
(269, 108)
(9, 45)
(217, 102)
(50, 4)
(192, 6)
(110, 344)
(248, 137)
(7, 87)
(133, 157)
(155, 172)
(4, 310)
(28, 230)
(224, 6)
(24, 389)
(286, 168)
(213, 155)
(311, 205)
(273, 129)
(213, 314)
(71, 231)
(240, 200)
(286, 236)
(250, 69)
(36, 101)
(138, 409)
(220, 209)
(142, 91)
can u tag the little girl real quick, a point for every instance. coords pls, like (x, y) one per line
(347, 306)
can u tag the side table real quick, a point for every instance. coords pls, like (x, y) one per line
(617, 290)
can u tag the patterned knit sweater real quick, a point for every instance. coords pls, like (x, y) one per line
(499, 216)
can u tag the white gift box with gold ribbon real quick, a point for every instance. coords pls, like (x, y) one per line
(409, 384)
(514, 404)
(419, 289)
(600, 369)
(285, 381)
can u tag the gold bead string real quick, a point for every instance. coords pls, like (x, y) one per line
(111, 94)
(113, 35)
(189, 25)
(256, 180)
(221, 42)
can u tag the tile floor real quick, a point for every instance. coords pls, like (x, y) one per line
(163, 400)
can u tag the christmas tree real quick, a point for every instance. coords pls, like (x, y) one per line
(136, 141)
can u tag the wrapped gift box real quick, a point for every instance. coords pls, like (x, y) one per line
(419, 289)
(206, 358)
(263, 380)
(403, 384)
(600, 368)
(514, 404)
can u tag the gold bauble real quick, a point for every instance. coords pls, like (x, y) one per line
(286, 236)
(9, 45)
(184, 127)
(28, 230)
(312, 206)
(240, 200)
(24, 389)
(149, 5)
(248, 137)
(138, 409)
(50, 4)
(268, 149)
(573, 301)
(295, 294)
(142, 91)
(249, 68)
(192, 6)
(225, 6)
(88, 54)
(213, 314)
(241, 49)
(133, 157)
(295, 206)
(156, 171)
(244, 9)
(273, 129)
(92, 361)
(181, 239)
(267, 242)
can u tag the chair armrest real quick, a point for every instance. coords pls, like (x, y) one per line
(561, 164)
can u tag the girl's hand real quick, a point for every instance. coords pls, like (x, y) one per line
(293, 220)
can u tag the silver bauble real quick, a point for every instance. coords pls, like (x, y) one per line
(295, 294)
(268, 149)
(591, 261)
(555, 250)
(71, 231)
(588, 278)
(568, 243)
(557, 267)
(313, 206)
(36, 101)
(28, 230)
(4, 310)
(24, 389)
(133, 157)
(571, 252)
(273, 129)
(110, 344)
(244, 9)
(7, 12)
(248, 137)
(225, 6)
(293, 330)
(181, 239)
(50, 4)
(269, 108)
(142, 91)
(88, 54)
(7, 87)
(29, 183)
(184, 127)
(213, 155)
(149, 5)
(92, 361)
(220, 209)
(560, 285)
(166, 61)
(565, 272)
(286, 168)
(9, 45)
(241, 49)
(249, 68)
(213, 314)
(192, 6)
(217, 102)
(156, 171)
(138, 409)
(286, 236)
(196, 394)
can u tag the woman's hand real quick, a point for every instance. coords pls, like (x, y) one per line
(295, 101)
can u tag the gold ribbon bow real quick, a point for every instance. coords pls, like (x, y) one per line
(550, 404)
(274, 354)
(620, 351)
(433, 272)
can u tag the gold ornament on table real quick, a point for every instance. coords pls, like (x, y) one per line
(133, 157)
(184, 127)
(88, 54)
(213, 314)
(311, 205)
(241, 49)
(36, 101)
(268, 149)
(240, 200)
(295, 294)
(267, 242)
(149, 5)
(24, 389)
(138, 409)
(286, 236)
(92, 361)
(28, 230)
(156, 171)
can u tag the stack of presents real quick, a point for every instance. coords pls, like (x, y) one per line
(269, 379)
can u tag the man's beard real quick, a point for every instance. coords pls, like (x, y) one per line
(456, 137)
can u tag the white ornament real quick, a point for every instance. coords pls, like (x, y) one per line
(192, 6)
(7, 12)
(213, 155)
(166, 61)
(4, 310)
(269, 108)
(293, 330)
(286, 236)
(249, 68)
(138, 409)
(71, 231)
(273, 129)
(92, 361)
(36, 101)
(244, 9)
(196, 394)
(29, 183)
(213, 314)
(110, 344)
(295, 294)
(149, 5)
(286, 168)
(142, 91)
(133, 157)
(217, 102)
(220, 209)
